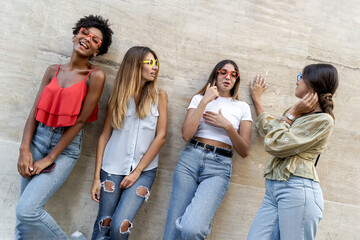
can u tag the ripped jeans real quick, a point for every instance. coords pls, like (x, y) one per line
(118, 207)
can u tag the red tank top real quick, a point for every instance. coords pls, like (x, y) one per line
(59, 107)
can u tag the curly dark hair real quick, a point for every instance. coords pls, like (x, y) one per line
(99, 23)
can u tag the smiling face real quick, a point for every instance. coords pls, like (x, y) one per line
(225, 83)
(148, 73)
(88, 44)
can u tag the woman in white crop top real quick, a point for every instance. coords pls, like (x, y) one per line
(127, 153)
(216, 122)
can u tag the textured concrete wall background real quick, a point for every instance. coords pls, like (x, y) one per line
(276, 38)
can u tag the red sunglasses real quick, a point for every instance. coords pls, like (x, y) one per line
(86, 33)
(224, 72)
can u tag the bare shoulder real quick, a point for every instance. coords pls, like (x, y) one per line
(51, 69)
(162, 95)
(163, 100)
(97, 78)
(98, 74)
(49, 73)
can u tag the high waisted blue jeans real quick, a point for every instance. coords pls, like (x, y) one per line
(118, 206)
(32, 221)
(201, 180)
(290, 210)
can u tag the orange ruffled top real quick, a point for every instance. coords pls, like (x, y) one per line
(60, 107)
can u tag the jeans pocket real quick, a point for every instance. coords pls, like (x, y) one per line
(222, 159)
(318, 196)
(225, 162)
(74, 148)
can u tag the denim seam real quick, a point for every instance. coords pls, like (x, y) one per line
(48, 144)
(315, 199)
(45, 223)
(304, 211)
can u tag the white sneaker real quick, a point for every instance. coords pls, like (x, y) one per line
(77, 236)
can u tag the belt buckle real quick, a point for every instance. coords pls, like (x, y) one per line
(205, 148)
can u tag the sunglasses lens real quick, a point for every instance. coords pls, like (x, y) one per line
(234, 75)
(299, 76)
(85, 32)
(95, 40)
(223, 72)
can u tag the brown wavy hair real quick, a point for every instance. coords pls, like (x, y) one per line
(127, 83)
(323, 78)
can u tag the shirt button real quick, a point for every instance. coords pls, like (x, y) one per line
(286, 139)
(301, 166)
(306, 133)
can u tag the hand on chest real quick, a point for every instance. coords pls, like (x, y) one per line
(228, 110)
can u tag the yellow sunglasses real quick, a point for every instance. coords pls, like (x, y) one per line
(152, 62)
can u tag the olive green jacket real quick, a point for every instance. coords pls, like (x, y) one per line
(294, 148)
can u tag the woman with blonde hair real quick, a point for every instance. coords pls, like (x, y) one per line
(127, 152)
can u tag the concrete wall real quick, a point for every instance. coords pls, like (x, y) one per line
(276, 38)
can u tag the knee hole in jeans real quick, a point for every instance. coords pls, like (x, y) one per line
(126, 226)
(144, 192)
(105, 222)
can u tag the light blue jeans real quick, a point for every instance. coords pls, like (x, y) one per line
(290, 210)
(120, 205)
(32, 221)
(200, 182)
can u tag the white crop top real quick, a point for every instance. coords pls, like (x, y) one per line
(127, 145)
(233, 110)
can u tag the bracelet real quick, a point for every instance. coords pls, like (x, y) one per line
(284, 121)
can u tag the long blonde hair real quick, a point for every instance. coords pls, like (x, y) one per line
(127, 84)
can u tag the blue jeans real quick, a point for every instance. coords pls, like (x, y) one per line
(120, 206)
(32, 221)
(290, 210)
(200, 182)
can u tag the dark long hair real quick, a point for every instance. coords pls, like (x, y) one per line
(234, 92)
(323, 78)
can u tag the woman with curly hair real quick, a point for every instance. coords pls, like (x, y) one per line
(51, 143)
(293, 202)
